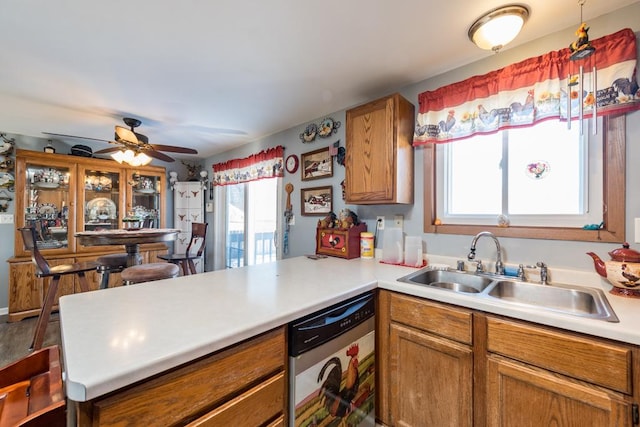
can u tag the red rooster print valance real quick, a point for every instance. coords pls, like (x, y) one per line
(533, 90)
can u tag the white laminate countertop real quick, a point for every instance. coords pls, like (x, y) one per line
(115, 337)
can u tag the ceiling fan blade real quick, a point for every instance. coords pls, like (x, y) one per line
(62, 135)
(158, 155)
(108, 150)
(173, 149)
(126, 135)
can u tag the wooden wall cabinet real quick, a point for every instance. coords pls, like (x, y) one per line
(242, 385)
(379, 152)
(446, 365)
(61, 194)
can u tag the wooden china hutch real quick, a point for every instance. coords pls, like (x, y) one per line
(61, 194)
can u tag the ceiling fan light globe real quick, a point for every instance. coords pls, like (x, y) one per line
(129, 155)
(143, 159)
(118, 156)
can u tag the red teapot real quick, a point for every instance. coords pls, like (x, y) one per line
(622, 271)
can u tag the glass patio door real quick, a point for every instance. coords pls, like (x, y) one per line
(251, 222)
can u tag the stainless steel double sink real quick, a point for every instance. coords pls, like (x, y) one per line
(560, 298)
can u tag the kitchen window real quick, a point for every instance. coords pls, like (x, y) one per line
(544, 175)
(613, 196)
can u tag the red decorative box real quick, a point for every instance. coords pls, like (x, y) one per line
(340, 242)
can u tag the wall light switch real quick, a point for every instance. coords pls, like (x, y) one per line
(209, 207)
(6, 218)
(637, 230)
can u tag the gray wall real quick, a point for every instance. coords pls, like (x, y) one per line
(557, 254)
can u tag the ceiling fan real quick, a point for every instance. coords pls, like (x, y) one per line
(128, 139)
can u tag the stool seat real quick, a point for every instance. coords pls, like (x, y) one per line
(149, 272)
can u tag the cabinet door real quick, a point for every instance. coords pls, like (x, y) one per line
(521, 395)
(25, 291)
(100, 201)
(431, 379)
(146, 201)
(44, 202)
(379, 154)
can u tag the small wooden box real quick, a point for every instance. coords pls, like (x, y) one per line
(342, 243)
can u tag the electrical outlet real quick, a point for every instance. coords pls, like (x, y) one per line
(637, 231)
(380, 222)
(398, 221)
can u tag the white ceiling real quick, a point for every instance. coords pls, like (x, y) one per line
(212, 75)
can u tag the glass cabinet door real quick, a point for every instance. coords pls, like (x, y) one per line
(145, 202)
(100, 198)
(47, 201)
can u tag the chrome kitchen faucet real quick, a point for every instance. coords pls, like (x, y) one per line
(472, 252)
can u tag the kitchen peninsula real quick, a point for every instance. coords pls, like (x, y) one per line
(115, 338)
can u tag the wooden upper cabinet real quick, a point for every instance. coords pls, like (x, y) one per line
(379, 157)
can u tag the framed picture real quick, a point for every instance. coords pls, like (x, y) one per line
(316, 164)
(316, 201)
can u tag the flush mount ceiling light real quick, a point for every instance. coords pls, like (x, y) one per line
(498, 27)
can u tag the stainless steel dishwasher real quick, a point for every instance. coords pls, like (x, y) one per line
(332, 365)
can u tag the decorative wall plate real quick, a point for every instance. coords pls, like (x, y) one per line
(309, 133)
(328, 127)
(6, 180)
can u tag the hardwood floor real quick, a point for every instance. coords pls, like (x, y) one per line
(15, 337)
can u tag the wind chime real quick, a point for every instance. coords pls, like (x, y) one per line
(582, 56)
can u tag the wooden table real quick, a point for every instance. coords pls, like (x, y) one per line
(131, 239)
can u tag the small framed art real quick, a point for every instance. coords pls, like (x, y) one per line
(316, 164)
(316, 201)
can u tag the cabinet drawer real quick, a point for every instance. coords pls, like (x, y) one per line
(593, 360)
(252, 408)
(194, 388)
(439, 319)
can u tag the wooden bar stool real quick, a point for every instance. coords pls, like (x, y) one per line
(44, 270)
(115, 263)
(112, 263)
(149, 272)
(185, 260)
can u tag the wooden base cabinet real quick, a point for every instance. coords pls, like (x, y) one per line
(521, 395)
(448, 366)
(539, 376)
(431, 379)
(429, 373)
(242, 385)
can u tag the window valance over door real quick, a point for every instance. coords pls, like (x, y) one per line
(532, 90)
(265, 164)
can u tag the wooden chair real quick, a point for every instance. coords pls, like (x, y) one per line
(44, 270)
(185, 260)
(115, 263)
(31, 392)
